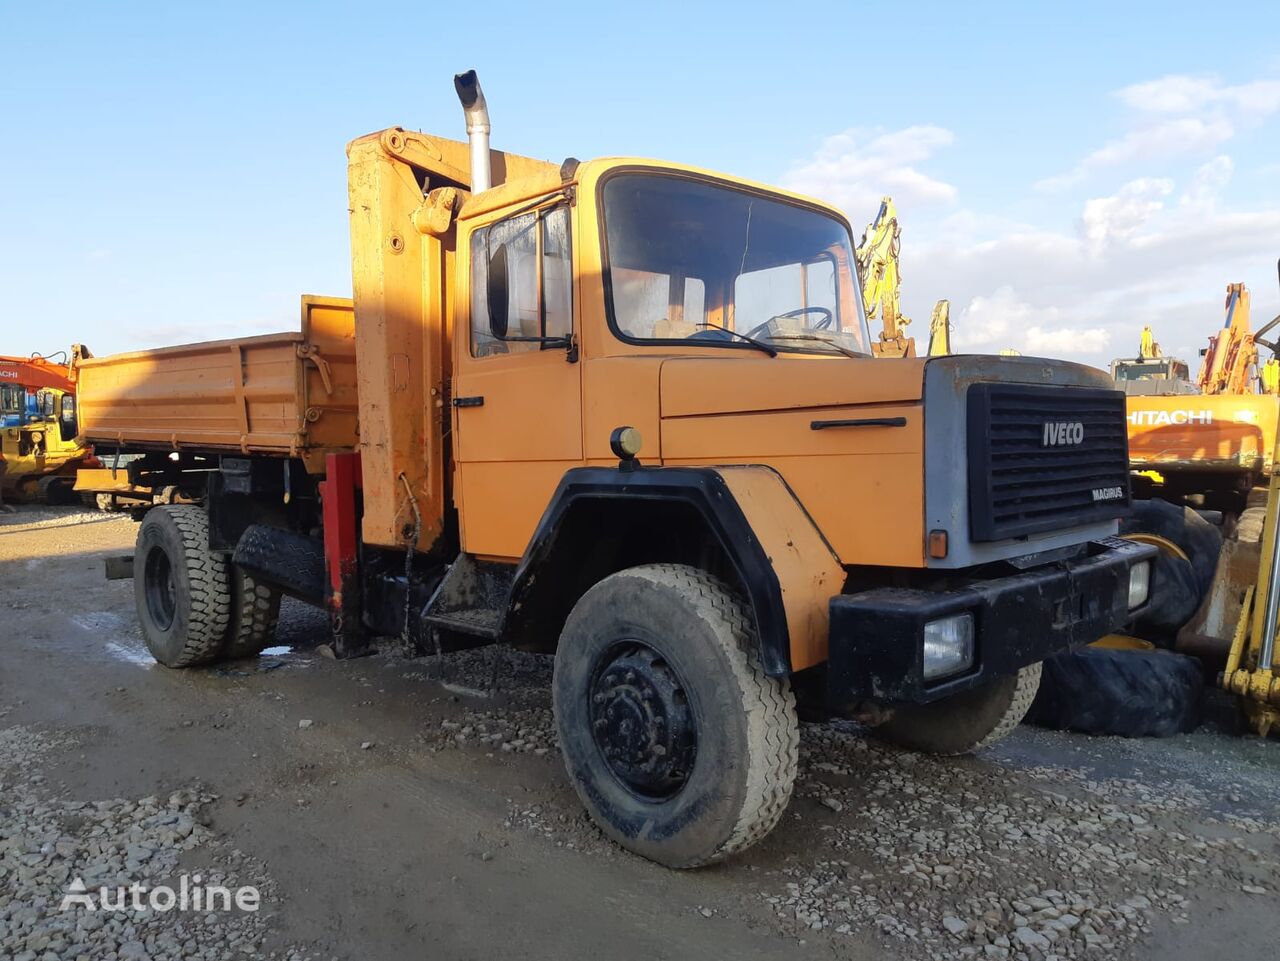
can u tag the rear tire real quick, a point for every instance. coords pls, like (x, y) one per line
(964, 722)
(1130, 693)
(255, 609)
(681, 748)
(180, 588)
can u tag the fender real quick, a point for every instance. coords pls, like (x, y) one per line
(786, 569)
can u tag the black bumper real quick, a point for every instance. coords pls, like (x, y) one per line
(876, 640)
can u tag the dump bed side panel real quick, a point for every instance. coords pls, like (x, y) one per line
(291, 394)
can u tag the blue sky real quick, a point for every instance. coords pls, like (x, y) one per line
(1063, 174)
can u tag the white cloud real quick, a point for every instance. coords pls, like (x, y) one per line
(1178, 115)
(1158, 249)
(1165, 139)
(1107, 219)
(1207, 184)
(1133, 258)
(989, 323)
(854, 169)
(1183, 94)
(1066, 341)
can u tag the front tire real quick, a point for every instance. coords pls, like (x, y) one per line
(967, 721)
(180, 588)
(681, 748)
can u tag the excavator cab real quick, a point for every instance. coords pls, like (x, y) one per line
(1152, 375)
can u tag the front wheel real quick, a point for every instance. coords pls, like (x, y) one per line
(681, 748)
(966, 721)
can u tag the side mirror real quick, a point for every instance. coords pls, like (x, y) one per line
(496, 289)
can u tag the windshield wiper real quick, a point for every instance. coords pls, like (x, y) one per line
(758, 344)
(822, 340)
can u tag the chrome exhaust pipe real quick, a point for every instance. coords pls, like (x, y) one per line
(477, 114)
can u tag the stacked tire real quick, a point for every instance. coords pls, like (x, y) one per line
(1146, 689)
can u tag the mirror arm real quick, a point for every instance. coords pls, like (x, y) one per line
(567, 343)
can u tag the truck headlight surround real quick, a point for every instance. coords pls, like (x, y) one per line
(947, 646)
(1139, 584)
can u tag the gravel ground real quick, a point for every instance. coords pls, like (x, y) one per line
(388, 807)
(953, 858)
(48, 842)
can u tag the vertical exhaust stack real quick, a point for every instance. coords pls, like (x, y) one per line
(477, 114)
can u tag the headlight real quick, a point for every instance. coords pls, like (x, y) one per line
(1139, 584)
(948, 646)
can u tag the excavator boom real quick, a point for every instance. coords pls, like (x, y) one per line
(877, 258)
(940, 329)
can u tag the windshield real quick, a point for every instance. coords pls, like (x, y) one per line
(1155, 370)
(693, 261)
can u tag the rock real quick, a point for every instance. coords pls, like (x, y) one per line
(1252, 889)
(833, 803)
(365, 745)
(955, 925)
(1031, 939)
(304, 724)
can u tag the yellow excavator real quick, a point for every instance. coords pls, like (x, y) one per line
(1251, 672)
(878, 270)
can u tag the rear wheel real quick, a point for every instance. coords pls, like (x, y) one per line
(966, 721)
(681, 748)
(180, 588)
(255, 608)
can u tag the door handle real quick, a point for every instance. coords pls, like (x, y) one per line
(477, 401)
(859, 422)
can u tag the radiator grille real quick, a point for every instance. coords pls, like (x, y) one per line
(1044, 458)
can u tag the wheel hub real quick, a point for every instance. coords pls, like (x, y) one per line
(161, 589)
(641, 721)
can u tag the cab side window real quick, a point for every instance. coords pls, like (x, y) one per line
(539, 281)
(11, 399)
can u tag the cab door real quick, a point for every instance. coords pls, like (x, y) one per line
(517, 392)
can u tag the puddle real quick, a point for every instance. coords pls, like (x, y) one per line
(466, 691)
(96, 622)
(277, 651)
(124, 651)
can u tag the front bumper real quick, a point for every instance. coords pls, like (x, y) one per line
(876, 639)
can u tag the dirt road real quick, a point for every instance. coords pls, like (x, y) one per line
(385, 813)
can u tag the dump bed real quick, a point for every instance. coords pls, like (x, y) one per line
(289, 394)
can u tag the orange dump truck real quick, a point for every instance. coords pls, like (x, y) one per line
(628, 411)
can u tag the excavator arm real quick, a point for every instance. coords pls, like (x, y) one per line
(1231, 359)
(940, 329)
(877, 258)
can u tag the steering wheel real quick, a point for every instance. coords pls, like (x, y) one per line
(823, 323)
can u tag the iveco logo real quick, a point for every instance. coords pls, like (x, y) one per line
(1063, 433)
